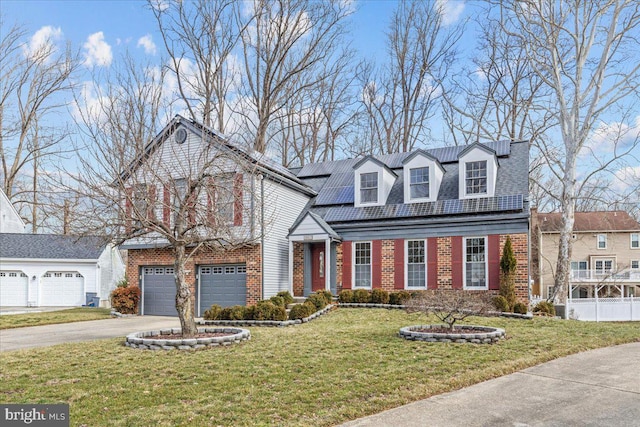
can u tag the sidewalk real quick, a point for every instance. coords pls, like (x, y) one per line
(595, 388)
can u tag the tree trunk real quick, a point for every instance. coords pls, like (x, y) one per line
(184, 296)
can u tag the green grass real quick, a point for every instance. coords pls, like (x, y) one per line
(9, 321)
(344, 365)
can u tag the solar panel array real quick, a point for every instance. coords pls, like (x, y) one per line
(437, 208)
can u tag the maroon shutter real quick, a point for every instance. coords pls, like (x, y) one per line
(237, 199)
(493, 251)
(166, 206)
(151, 208)
(191, 205)
(398, 264)
(346, 265)
(376, 264)
(128, 208)
(211, 202)
(432, 263)
(457, 280)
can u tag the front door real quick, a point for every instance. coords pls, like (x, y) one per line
(318, 259)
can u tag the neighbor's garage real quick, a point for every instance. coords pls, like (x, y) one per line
(158, 291)
(62, 289)
(225, 285)
(13, 289)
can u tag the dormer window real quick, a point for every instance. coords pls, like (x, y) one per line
(476, 177)
(369, 187)
(423, 175)
(419, 183)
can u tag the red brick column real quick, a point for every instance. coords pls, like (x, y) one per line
(298, 269)
(445, 278)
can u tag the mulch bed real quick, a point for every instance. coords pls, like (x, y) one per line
(180, 337)
(461, 330)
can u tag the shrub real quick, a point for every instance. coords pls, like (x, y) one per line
(125, 299)
(345, 296)
(122, 283)
(379, 296)
(399, 298)
(508, 265)
(520, 308)
(328, 296)
(238, 312)
(545, 307)
(450, 306)
(300, 311)
(318, 300)
(267, 310)
(501, 303)
(288, 299)
(361, 296)
(279, 301)
(213, 313)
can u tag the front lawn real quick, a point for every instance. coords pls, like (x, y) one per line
(80, 314)
(344, 365)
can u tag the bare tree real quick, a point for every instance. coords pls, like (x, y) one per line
(450, 306)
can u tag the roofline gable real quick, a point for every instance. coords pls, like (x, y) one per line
(370, 158)
(475, 145)
(421, 152)
(13, 208)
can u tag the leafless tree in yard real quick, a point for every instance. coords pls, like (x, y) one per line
(450, 306)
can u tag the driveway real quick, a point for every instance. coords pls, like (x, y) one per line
(595, 388)
(43, 336)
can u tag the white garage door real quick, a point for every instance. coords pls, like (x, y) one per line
(62, 289)
(13, 289)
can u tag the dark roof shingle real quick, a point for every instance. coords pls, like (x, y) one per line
(590, 221)
(50, 246)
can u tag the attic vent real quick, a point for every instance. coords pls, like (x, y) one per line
(181, 135)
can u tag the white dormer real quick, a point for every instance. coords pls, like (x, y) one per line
(478, 170)
(422, 177)
(372, 182)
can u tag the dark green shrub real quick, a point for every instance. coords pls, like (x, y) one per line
(125, 299)
(300, 311)
(361, 296)
(279, 301)
(545, 307)
(328, 296)
(213, 313)
(520, 308)
(225, 314)
(288, 299)
(345, 296)
(267, 310)
(501, 303)
(318, 300)
(399, 298)
(238, 312)
(379, 296)
(508, 265)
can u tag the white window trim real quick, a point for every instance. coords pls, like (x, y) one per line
(598, 242)
(429, 184)
(486, 264)
(406, 266)
(357, 196)
(631, 264)
(631, 240)
(487, 177)
(353, 264)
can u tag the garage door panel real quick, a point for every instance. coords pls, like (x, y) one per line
(224, 285)
(159, 291)
(13, 289)
(62, 289)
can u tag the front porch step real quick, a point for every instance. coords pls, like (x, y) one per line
(299, 300)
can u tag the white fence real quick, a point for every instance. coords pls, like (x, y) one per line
(604, 309)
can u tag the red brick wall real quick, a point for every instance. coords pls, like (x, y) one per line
(250, 255)
(520, 245)
(445, 278)
(298, 269)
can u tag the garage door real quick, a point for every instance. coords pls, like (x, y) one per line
(225, 285)
(158, 291)
(13, 289)
(62, 289)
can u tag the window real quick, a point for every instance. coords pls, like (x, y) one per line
(416, 264)
(142, 203)
(224, 198)
(159, 271)
(603, 266)
(602, 241)
(579, 269)
(169, 270)
(362, 265)
(15, 275)
(57, 274)
(205, 270)
(229, 270)
(78, 275)
(242, 269)
(148, 271)
(635, 264)
(68, 275)
(475, 263)
(476, 177)
(419, 183)
(217, 270)
(635, 241)
(178, 200)
(369, 187)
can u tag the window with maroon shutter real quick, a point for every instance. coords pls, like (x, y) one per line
(346, 265)
(211, 201)
(224, 199)
(237, 200)
(416, 264)
(398, 264)
(151, 207)
(166, 205)
(475, 262)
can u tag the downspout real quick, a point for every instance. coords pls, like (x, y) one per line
(261, 178)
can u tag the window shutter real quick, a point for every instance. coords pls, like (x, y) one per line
(211, 202)
(166, 206)
(151, 208)
(398, 264)
(432, 263)
(457, 281)
(128, 207)
(494, 261)
(376, 264)
(237, 200)
(191, 206)
(346, 265)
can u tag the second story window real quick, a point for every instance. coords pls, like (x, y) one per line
(602, 241)
(419, 185)
(635, 241)
(224, 198)
(476, 177)
(369, 187)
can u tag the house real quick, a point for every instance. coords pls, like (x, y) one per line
(10, 219)
(56, 270)
(605, 259)
(429, 219)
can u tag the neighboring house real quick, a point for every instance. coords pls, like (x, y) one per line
(56, 270)
(10, 219)
(605, 258)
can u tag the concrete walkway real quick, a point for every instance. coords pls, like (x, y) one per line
(43, 336)
(595, 388)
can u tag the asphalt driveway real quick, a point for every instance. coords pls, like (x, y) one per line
(42, 336)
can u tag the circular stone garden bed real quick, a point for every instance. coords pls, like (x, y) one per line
(460, 334)
(170, 339)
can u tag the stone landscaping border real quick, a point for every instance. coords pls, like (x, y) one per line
(527, 316)
(275, 323)
(146, 340)
(487, 336)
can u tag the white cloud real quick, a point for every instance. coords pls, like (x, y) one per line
(98, 52)
(147, 43)
(608, 138)
(160, 5)
(450, 10)
(43, 39)
(626, 178)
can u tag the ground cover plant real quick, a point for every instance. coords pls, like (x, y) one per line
(347, 364)
(80, 314)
